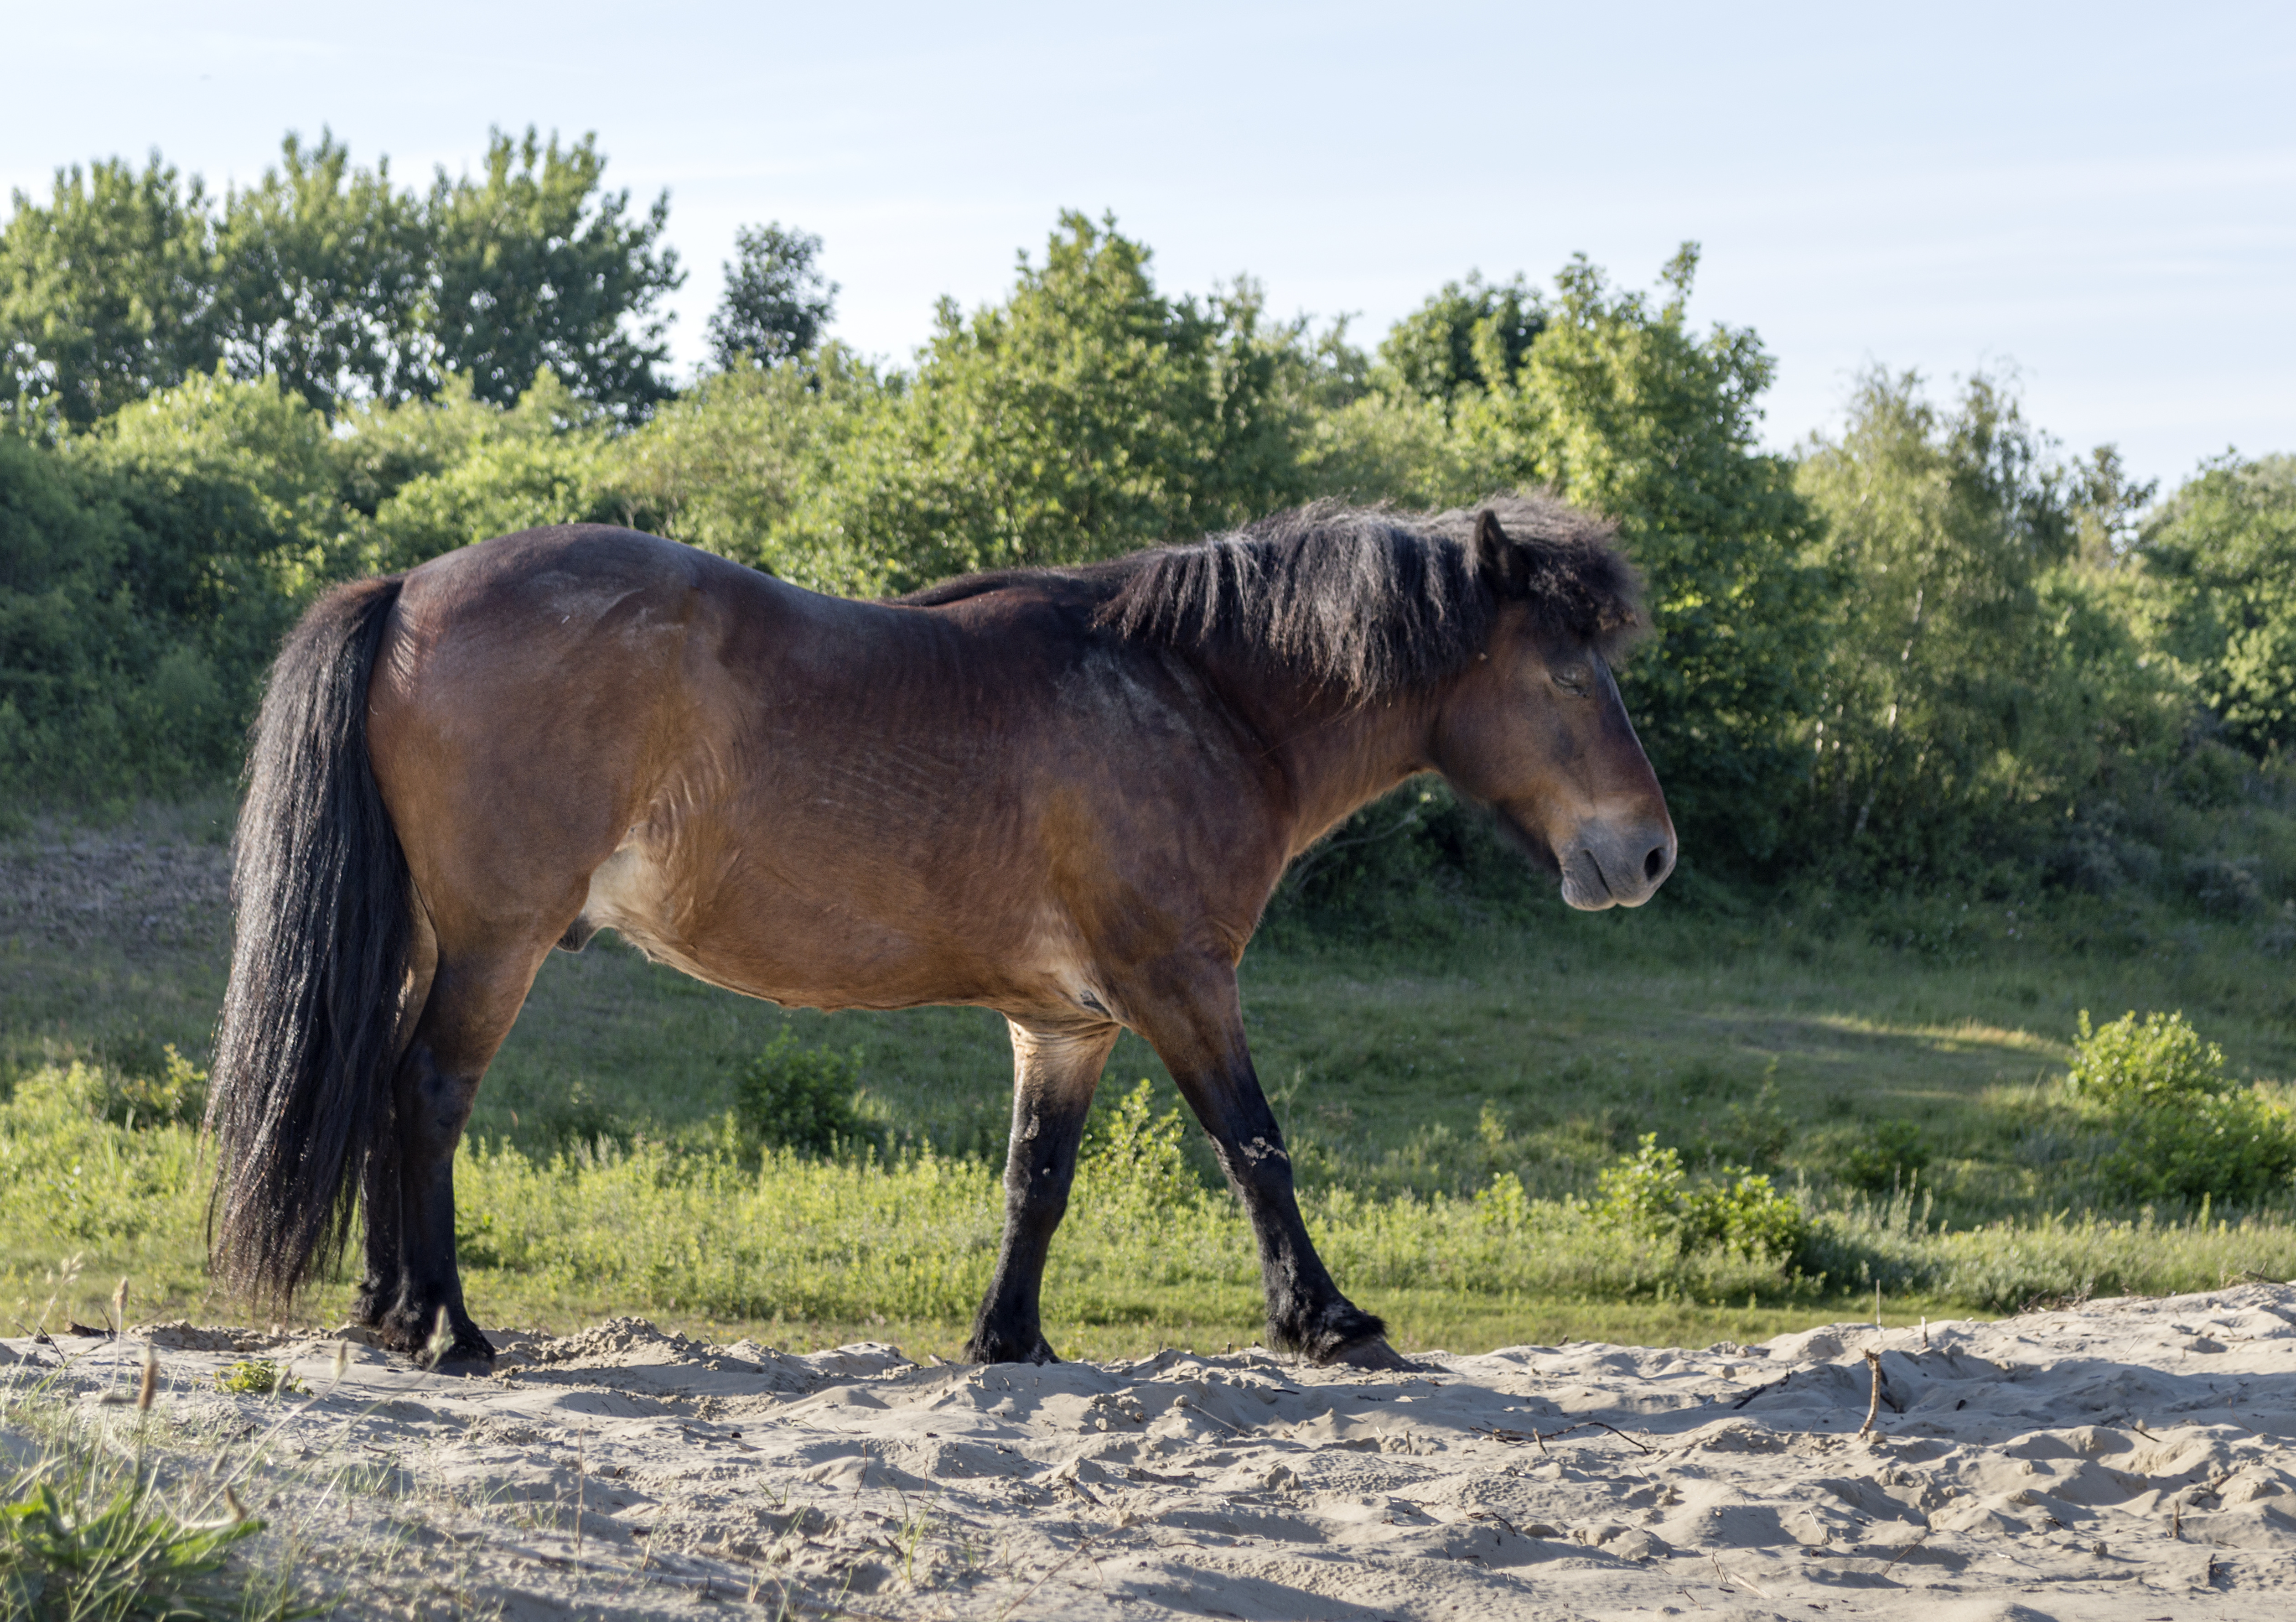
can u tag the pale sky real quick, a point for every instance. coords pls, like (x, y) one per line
(2101, 196)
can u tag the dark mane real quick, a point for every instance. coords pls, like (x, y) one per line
(1365, 600)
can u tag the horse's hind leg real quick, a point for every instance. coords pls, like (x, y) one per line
(474, 997)
(1053, 1074)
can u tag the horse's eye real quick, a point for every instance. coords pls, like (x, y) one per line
(1573, 679)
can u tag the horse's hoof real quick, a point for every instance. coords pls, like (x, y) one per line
(460, 1358)
(466, 1364)
(1040, 1353)
(1374, 1353)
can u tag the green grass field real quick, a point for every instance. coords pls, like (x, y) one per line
(1892, 1065)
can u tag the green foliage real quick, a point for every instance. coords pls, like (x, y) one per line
(1886, 1157)
(538, 267)
(335, 282)
(768, 466)
(74, 1174)
(1985, 677)
(176, 1093)
(252, 1376)
(777, 305)
(2179, 1129)
(2222, 553)
(2129, 1066)
(88, 1548)
(1649, 1194)
(1133, 1165)
(1440, 351)
(1086, 416)
(802, 1098)
(473, 471)
(324, 280)
(146, 571)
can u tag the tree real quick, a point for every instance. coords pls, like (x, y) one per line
(1435, 352)
(108, 292)
(537, 267)
(147, 571)
(326, 278)
(1982, 683)
(1087, 415)
(774, 466)
(776, 303)
(2222, 554)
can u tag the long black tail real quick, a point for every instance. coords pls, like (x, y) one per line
(300, 1092)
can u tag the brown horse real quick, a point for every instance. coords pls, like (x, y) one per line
(1065, 794)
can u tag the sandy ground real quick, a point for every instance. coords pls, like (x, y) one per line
(2118, 1459)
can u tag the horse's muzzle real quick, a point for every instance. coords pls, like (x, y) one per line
(1617, 863)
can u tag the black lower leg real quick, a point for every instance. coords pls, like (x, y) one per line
(425, 1317)
(1307, 1314)
(1054, 1077)
(1203, 1045)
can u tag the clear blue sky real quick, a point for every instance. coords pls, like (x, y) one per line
(2102, 197)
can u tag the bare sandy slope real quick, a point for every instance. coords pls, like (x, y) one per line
(2120, 1459)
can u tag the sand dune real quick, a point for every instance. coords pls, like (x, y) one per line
(2118, 1459)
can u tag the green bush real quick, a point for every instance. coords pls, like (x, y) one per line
(802, 1098)
(2179, 1129)
(1650, 1197)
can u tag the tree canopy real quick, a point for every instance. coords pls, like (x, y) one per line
(334, 282)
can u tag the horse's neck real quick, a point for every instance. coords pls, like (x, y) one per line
(1337, 757)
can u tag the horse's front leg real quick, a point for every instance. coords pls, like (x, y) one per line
(1196, 1026)
(1055, 1071)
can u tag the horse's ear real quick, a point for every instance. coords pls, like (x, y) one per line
(1491, 552)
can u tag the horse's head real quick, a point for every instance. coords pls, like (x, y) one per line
(1536, 728)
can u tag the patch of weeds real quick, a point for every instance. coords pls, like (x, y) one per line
(64, 1553)
(252, 1376)
(88, 1533)
(579, 1120)
(175, 1092)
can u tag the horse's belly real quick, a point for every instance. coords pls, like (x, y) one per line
(787, 946)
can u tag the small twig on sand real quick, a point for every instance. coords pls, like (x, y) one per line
(1874, 1404)
(1731, 1577)
(1775, 1385)
(1908, 1549)
(1084, 1545)
(1517, 1438)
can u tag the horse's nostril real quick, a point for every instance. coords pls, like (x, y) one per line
(1654, 863)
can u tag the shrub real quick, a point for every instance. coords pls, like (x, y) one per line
(1137, 1166)
(177, 1094)
(2129, 1066)
(2179, 1129)
(803, 1099)
(1650, 1197)
(1885, 1156)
